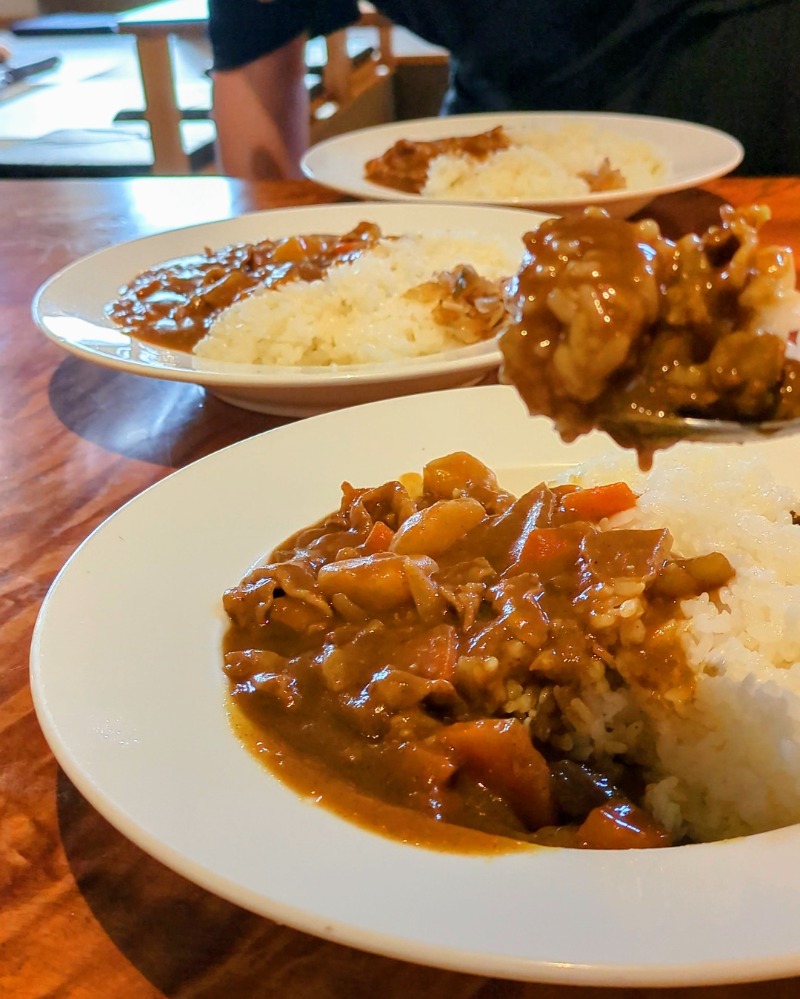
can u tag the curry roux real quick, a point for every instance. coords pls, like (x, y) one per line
(410, 661)
(173, 305)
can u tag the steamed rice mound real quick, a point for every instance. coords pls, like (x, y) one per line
(541, 163)
(358, 313)
(727, 761)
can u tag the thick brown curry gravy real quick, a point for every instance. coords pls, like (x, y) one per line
(175, 303)
(410, 661)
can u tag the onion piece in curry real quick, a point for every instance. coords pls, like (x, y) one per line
(412, 660)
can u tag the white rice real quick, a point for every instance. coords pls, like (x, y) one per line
(726, 763)
(543, 163)
(358, 312)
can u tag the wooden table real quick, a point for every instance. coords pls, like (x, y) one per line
(86, 914)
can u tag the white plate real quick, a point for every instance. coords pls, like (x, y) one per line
(70, 309)
(130, 693)
(694, 154)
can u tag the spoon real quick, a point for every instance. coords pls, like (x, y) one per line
(650, 428)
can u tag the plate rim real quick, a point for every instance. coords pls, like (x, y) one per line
(475, 358)
(519, 968)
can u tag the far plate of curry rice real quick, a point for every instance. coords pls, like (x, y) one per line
(553, 161)
(298, 311)
(421, 678)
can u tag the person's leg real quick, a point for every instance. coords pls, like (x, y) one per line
(261, 111)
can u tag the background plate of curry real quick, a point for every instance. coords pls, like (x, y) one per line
(129, 690)
(552, 161)
(149, 280)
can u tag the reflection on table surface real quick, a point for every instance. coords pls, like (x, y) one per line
(85, 912)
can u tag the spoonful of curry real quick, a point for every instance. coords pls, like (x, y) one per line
(615, 327)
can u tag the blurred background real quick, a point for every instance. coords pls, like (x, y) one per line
(109, 88)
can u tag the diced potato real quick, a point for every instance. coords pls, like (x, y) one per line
(436, 528)
(375, 582)
(455, 472)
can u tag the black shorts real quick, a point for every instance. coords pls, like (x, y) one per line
(244, 30)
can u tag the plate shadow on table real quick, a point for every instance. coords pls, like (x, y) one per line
(148, 419)
(190, 944)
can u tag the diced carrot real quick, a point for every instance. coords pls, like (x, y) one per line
(600, 501)
(378, 539)
(499, 753)
(432, 655)
(620, 825)
(548, 551)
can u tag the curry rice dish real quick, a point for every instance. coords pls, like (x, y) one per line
(321, 299)
(601, 318)
(606, 662)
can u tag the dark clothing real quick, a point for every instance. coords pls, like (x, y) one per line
(732, 64)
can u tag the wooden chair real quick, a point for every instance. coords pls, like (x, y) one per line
(356, 92)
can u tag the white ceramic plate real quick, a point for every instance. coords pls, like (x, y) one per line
(70, 309)
(693, 153)
(130, 694)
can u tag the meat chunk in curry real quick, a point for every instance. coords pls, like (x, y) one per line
(431, 645)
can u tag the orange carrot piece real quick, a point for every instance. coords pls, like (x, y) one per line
(432, 655)
(600, 501)
(548, 551)
(619, 825)
(499, 753)
(378, 539)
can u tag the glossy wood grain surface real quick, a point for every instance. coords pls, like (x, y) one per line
(83, 912)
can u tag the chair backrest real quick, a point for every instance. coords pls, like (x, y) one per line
(340, 72)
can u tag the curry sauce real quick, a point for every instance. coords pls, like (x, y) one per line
(418, 659)
(175, 303)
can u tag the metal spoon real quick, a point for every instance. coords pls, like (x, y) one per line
(652, 428)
